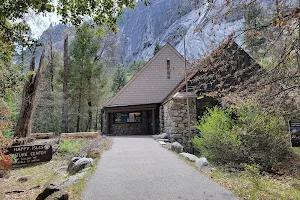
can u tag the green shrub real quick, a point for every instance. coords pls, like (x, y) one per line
(70, 147)
(266, 139)
(254, 137)
(217, 141)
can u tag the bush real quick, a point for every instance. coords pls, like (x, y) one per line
(70, 147)
(254, 137)
(266, 139)
(217, 141)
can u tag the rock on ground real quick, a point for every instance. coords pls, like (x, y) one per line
(23, 179)
(161, 136)
(51, 188)
(202, 162)
(189, 156)
(93, 153)
(60, 195)
(77, 164)
(177, 147)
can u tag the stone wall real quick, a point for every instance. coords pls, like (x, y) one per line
(127, 129)
(176, 121)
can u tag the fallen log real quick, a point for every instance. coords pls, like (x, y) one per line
(79, 135)
(42, 135)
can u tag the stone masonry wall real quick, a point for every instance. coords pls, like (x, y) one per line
(176, 121)
(127, 129)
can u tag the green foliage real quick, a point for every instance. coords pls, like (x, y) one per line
(136, 66)
(14, 30)
(265, 136)
(8, 134)
(70, 147)
(11, 79)
(254, 174)
(119, 79)
(217, 141)
(156, 49)
(86, 78)
(254, 137)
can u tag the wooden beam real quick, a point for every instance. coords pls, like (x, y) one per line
(131, 108)
(153, 122)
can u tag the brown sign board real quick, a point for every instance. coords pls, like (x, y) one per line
(294, 127)
(28, 155)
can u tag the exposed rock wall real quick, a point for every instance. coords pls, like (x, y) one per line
(144, 26)
(176, 121)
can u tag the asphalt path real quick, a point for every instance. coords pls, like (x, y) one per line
(138, 168)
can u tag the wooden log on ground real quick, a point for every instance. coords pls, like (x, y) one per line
(79, 135)
(42, 135)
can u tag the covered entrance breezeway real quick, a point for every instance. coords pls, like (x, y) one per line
(131, 120)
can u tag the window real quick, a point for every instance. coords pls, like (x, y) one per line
(168, 68)
(127, 117)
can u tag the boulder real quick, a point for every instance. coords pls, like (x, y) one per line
(175, 136)
(93, 153)
(161, 136)
(23, 179)
(60, 195)
(202, 163)
(77, 164)
(189, 156)
(177, 147)
(50, 189)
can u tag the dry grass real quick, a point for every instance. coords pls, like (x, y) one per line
(40, 176)
(264, 187)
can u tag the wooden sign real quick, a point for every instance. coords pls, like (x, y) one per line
(27, 155)
(294, 127)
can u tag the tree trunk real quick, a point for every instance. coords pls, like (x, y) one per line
(89, 101)
(65, 127)
(51, 65)
(23, 126)
(79, 113)
(96, 123)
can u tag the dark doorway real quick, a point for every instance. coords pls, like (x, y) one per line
(203, 103)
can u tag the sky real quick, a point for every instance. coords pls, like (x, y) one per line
(39, 23)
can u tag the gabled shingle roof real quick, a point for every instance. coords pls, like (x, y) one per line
(150, 84)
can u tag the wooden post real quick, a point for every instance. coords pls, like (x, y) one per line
(153, 122)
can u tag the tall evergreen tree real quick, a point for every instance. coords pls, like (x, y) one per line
(86, 79)
(119, 79)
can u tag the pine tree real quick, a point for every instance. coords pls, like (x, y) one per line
(119, 79)
(86, 79)
(156, 49)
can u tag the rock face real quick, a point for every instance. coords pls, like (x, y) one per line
(177, 147)
(77, 164)
(189, 156)
(143, 26)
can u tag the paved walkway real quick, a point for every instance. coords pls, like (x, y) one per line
(138, 168)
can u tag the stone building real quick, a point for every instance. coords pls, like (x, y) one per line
(155, 99)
